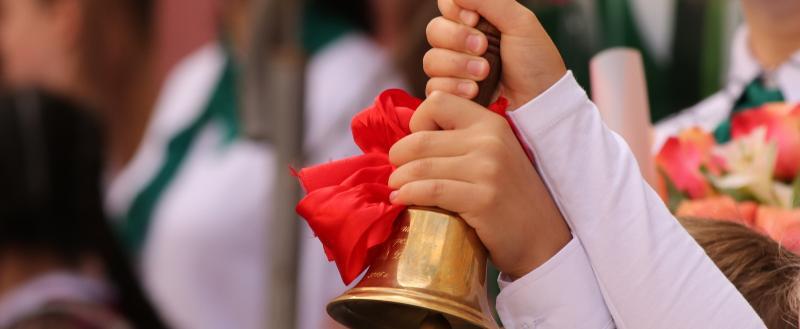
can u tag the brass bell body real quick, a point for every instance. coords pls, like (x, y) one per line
(433, 263)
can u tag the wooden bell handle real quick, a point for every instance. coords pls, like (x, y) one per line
(488, 87)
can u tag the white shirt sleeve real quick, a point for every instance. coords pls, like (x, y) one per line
(649, 270)
(562, 293)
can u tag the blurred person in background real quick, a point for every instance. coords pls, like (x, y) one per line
(97, 52)
(358, 48)
(60, 265)
(764, 68)
(194, 199)
(681, 42)
(186, 189)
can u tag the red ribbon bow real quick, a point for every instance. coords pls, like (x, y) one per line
(347, 205)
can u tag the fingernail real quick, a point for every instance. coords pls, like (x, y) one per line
(465, 89)
(393, 196)
(468, 17)
(476, 67)
(474, 43)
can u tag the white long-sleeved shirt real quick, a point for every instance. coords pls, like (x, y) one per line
(630, 263)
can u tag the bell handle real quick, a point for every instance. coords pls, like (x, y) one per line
(487, 88)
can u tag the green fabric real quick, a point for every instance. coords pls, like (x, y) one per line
(222, 109)
(619, 29)
(712, 51)
(755, 95)
(576, 42)
(321, 28)
(690, 73)
(618, 25)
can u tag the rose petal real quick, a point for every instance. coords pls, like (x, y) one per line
(723, 208)
(782, 122)
(681, 162)
(782, 225)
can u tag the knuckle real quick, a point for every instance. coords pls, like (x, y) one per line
(485, 200)
(490, 143)
(524, 20)
(396, 179)
(398, 152)
(491, 169)
(436, 84)
(422, 142)
(496, 124)
(430, 87)
(436, 191)
(436, 99)
(463, 33)
(493, 147)
(421, 168)
(529, 18)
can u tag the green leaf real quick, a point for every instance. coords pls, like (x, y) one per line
(740, 195)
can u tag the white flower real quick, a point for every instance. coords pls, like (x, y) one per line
(751, 164)
(784, 194)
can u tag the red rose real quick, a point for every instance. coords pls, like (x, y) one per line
(782, 123)
(782, 225)
(683, 158)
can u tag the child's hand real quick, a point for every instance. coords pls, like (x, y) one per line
(531, 62)
(476, 167)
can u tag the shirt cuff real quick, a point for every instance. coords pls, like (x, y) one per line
(562, 293)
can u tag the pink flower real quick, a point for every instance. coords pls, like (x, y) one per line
(782, 122)
(682, 159)
(782, 225)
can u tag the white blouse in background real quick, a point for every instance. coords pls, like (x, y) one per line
(204, 261)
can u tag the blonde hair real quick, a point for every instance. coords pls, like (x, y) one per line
(766, 274)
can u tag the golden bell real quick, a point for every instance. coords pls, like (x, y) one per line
(432, 267)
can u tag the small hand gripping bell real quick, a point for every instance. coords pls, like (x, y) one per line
(431, 273)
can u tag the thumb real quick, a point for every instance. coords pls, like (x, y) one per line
(509, 16)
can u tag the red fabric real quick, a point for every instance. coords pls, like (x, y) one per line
(347, 205)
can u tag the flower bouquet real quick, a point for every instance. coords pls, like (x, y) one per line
(752, 180)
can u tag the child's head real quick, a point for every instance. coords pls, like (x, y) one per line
(50, 197)
(49, 176)
(765, 273)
